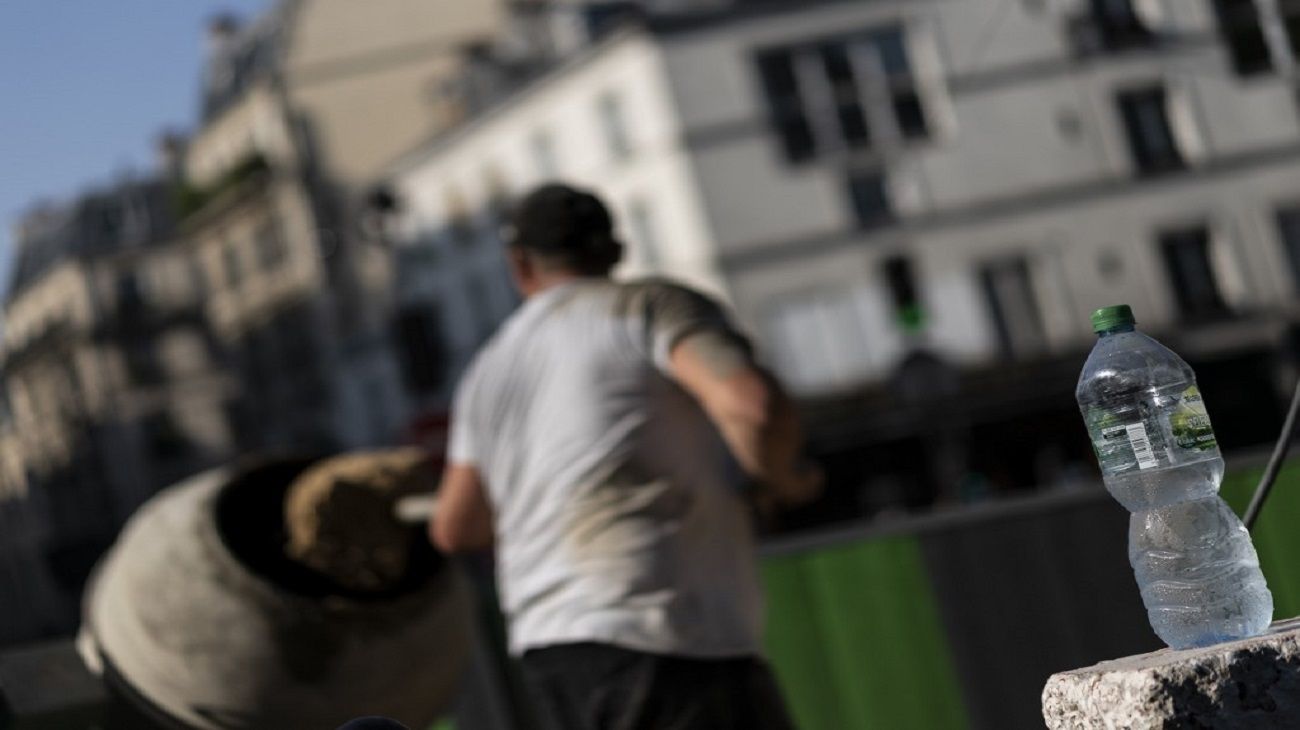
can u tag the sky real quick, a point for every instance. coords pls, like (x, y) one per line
(85, 88)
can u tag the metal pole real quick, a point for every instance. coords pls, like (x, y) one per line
(1274, 462)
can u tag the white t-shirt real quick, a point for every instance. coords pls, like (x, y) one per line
(618, 514)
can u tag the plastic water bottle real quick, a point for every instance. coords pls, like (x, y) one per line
(1195, 565)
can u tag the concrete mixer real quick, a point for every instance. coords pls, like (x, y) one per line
(197, 618)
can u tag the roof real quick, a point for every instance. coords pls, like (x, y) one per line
(240, 57)
(508, 100)
(611, 33)
(740, 11)
(128, 215)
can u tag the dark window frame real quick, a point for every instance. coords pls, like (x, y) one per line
(1119, 26)
(1190, 273)
(899, 273)
(823, 98)
(992, 273)
(850, 112)
(1242, 32)
(869, 199)
(1287, 219)
(1154, 148)
(786, 113)
(132, 300)
(272, 249)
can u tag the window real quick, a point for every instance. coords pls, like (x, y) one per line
(271, 250)
(130, 295)
(614, 123)
(905, 101)
(1150, 136)
(1118, 25)
(542, 146)
(1013, 305)
(643, 233)
(911, 115)
(1191, 274)
(1288, 226)
(841, 94)
(819, 339)
(849, 116)
(785, 108)
(900, 278)
(1241, 30)
(1290, 12)
(423, 349)
(234, 271)
(869, 196)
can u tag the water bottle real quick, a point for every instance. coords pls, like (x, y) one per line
(1193, 559)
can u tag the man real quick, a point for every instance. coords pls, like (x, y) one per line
(606, 442)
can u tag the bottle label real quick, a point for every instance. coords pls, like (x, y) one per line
(1167, 427)
(1121, 447)
(1189, 423)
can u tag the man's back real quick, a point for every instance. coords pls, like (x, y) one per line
(617, 514)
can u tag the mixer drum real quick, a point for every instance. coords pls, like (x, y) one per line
(199, 620)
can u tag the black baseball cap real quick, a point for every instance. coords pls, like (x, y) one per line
(562, 221)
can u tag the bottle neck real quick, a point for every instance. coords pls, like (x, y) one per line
(1117, 329)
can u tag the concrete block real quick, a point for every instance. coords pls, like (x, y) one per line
(1253, 683)
(48, 686)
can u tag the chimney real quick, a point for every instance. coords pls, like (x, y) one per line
(170, 150)
(222, 29)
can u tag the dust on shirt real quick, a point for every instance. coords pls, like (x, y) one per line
(618, 513)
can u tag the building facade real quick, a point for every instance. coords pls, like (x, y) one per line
(300, 108)
(233, 304)
(914, 206)
(112, 388)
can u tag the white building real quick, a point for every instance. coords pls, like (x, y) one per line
(300, 108)
(864, 181)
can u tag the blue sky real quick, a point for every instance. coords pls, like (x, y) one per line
(86, 87)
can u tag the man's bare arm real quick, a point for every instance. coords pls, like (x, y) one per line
(755, 416)
(462, 521)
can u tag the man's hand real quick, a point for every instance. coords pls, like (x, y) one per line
(755, 416)
(462, 521)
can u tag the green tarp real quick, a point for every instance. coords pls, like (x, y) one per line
(1276, 534)
(856, 640)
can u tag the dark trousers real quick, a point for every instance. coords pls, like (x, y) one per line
(602, 687)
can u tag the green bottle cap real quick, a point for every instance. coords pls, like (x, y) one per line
(1108, 318)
